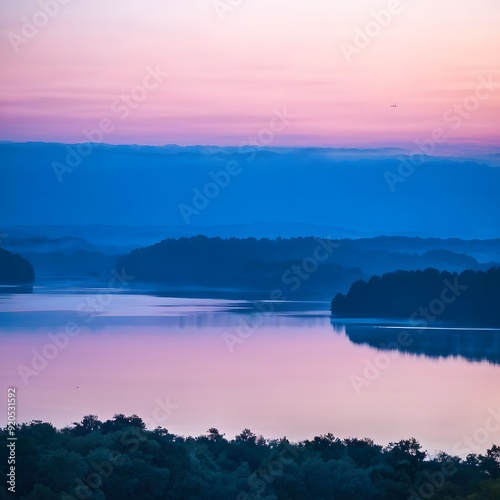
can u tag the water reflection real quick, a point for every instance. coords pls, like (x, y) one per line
(11, 289)
(481, 344)
(94, 309)
(290, 374)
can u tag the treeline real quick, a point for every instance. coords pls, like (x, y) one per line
(119, 459)
(470, 297)
(291, 265)
(305, 265)
(14, 269)
(258, 263)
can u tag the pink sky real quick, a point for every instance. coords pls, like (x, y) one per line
(228, 73)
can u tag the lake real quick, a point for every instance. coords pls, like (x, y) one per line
(278, 368)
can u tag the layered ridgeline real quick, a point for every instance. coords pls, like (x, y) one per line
(471, 297)
(361, 192)
(312, 266)
(15, 270)
(92, 250)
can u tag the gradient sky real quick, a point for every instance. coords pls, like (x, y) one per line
(226, 77)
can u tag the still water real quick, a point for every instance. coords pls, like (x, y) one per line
(280, 369)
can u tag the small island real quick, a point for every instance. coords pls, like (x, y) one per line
(15, 270)
(471, 297)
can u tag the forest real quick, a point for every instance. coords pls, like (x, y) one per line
(120, 459)
(296, 264)
(471, 297)
(221, 260)
(306, 265)
(14, 269)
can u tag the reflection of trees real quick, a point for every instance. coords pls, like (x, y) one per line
(473, 345)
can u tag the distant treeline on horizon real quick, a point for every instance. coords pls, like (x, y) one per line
(298, 266)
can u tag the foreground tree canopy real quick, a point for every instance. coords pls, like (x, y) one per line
(120, 459)
(468, 297)
(14, 269)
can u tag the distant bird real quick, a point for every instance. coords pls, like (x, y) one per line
(394, 105)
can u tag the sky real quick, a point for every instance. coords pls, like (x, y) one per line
(220, 71)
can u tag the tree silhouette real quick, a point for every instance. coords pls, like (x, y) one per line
(469, 297)
(14, 269)
(163, 465)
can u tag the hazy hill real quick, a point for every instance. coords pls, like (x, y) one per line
(266, 264)
(285, 264)
(92, 250)
(14, 269)
(332, 188)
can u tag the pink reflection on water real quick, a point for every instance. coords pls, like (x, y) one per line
(290, 377)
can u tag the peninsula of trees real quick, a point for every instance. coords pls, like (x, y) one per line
(471, 297)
